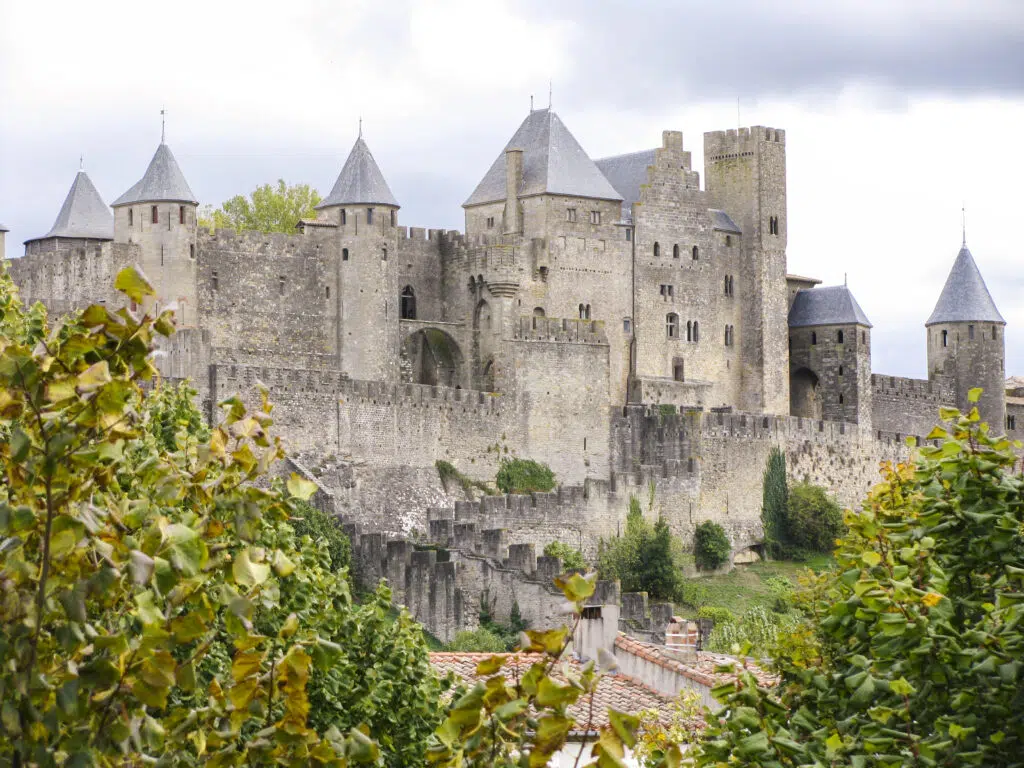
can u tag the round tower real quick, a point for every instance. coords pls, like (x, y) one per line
(966, 341)
(159, 214)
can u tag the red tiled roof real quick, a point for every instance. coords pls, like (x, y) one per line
(702, 671)
(615, 691)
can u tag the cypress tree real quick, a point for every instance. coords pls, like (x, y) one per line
(774, 504)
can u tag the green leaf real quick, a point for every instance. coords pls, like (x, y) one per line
(133, 283)
(246, 572)
(301, 488)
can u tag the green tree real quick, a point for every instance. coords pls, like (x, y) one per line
(524, 476)
(913, 651)
(711, 547)
(156, 607)
(643, 559)
(814, 519)
(572, 559)
(269, 208)
(773, 507)
(307, 520)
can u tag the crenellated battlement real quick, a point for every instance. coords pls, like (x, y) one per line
(560, 330)
(937, 391)
(739, 142)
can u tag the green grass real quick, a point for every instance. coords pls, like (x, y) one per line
(746, 586)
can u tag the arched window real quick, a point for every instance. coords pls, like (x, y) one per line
(675, 251)
(726, 282)
(327, 291)
(840, 398)
(154, 214)
(344, 254)
(587, 311)
(945, 338)
(538, 311)
(472, 283)
(672, 325)
(689, 330)
(181, 214)
(582, 312)
(839, 337)
(407, 303)
(344, 217)
(728, 240)
(840, 370)
(392, 218)
(696, 253)
(993, 333)
(657, 250)
(369, 215)
(727, 335)
(384, 253)
(696, 331)
(814, 338)
(131, 217)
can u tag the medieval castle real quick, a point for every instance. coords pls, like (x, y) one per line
(612, 318)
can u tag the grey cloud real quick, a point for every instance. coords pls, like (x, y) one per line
(652, 52)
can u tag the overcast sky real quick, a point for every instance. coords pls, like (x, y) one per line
(896, 113)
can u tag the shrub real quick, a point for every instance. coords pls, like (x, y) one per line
(643, 560)
(477, 641)
(449, 474)
(814, 519)
(307, 520)
(781, 590)
(524, 476)
(773, 505)
(711, 547)
(717, 614)
(572, 559)
(692, 593)
(759, 626)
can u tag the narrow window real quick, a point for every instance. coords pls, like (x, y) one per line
(840, 370)
(814, 338)
(863, 337)
(727, 335)
(192, 250)
(728, 240)
(384, 253)
(627, 325)
(154, 214)
(696, 253)
(588, 311)
(672, 325)
(181, 214)
(344, 217)
(216, 282)
(841, 398)
(344, 254)
(629, 235)
(657, 250)
(689, 330)
(543, 274)
(595, 217)
(696, 331)
(407, 303)
(993, 333)
(392, 218)
(131, 217)
(327, 291)
(570, 215)
(678, 370)
(675, 251)
(161, 255)
(945, 338)
(280, 286)
(839, 337)
(490, 222)
(582, 316)
(970, 332)
(369, 215)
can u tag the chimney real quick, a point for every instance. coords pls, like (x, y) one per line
(513, 181)
(3, 245)
(598, 627)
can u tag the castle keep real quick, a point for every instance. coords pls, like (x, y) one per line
(614, 318)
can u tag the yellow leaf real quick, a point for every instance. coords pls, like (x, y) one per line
(931, 599)
(301, 488)
(246, 664)
(94, 377)
(871, 558)
(974, 395)
(246, 572)
(133, 283)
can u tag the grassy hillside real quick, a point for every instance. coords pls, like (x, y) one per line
(746, 586)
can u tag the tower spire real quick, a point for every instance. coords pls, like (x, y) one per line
(963, 222)
(163, 125)
(81, 162)
(550, 89)
(360, 126)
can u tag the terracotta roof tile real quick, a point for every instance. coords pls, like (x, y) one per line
(616, 691)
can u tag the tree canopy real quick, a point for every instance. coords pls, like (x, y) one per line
(269, 208)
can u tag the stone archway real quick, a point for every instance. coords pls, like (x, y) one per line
(432, 357)
(804, 398)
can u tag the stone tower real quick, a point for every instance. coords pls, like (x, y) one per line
(745, 174)
(830, 356)
(159, 213)
(365, 212)
(966, 340)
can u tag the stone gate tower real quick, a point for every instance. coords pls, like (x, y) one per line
(159, 213)
(966, 340)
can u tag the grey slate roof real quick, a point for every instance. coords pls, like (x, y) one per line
(829, 305)
(721, 221)
(162, 181)
(360, 181)
(84, 214)
(627, 173)
(553, 163)
(965, 297)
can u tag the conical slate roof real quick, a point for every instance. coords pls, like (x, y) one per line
(829, 305)
(360, 181)
(84, 214)
(965, 297)
(162, 181)
(553, 163)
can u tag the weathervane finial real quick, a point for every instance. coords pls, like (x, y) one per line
(360, 126)
(963, 222)
(163, 125)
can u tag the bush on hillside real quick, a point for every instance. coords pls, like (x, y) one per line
(524, 476)
(643, 559)
(477, 641)
(307, 520)
(572, 559)
(711, 547)
(814, 519)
